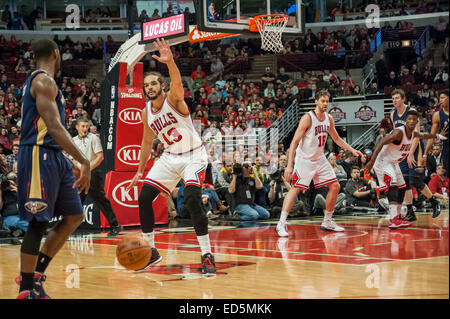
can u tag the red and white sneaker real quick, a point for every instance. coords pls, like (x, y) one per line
(403, 222)
(399, 222)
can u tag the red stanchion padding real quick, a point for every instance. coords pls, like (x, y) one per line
(131, 101)
(125, 204)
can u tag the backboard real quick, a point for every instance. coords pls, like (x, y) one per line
(232, 15)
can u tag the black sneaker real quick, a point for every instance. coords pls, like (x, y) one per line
(410, 216)
(39, 288)
(208, 264)
(436, 208)
(115, 230)
(156, 258)
(38, 291)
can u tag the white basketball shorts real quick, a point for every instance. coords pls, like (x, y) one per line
(169, 169)
(388, 174)
(319, 171)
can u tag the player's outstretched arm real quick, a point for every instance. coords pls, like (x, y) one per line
(339, 141)
(304, 124)
(44, 90)
(395, 135)
(146, 149)
(176, 92)
(424, 136)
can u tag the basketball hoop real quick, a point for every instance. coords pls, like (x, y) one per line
(270, 27)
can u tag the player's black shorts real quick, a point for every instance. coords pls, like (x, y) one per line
(45, 180)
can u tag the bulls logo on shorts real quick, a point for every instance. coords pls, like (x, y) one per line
(387, 180)
(294, 178)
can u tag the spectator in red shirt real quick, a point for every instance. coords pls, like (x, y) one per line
(439, 185)
(198, 73)
(386, 123)
(406, 77)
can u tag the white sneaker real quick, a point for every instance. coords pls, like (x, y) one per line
(330, 225)
(281, 229)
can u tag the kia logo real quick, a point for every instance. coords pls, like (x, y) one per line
(129, 154)
(130, 116)
(124, 198)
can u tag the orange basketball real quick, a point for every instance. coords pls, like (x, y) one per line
(133, 252)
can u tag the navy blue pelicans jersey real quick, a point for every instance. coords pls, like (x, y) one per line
(45, 175)
(33, 129)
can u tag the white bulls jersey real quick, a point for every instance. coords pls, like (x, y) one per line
(173, 129)
(313, 142)
(392, 153)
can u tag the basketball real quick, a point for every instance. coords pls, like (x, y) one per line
(133, 252)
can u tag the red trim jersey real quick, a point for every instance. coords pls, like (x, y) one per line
(175, 130)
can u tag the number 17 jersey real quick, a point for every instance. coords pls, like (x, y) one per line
(175, 130)
(312, 144)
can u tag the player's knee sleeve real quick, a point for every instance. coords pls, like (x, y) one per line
(192, 200)
(33, 237)
(401, 194)
(146, 216)
(392, 194)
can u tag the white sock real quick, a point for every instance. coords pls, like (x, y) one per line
(399, 209)
(283, 217)
(150, 237)
(328, 215)
(205, 244)
(392, 210)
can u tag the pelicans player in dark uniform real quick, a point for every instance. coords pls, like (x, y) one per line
(46, 185)
(440, 123)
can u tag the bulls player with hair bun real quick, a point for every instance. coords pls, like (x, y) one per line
(307, 148)
(167, 116)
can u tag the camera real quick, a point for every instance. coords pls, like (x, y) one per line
(6, 179)
(278, 175)
(237, 168)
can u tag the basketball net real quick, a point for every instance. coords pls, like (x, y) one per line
(270, 28)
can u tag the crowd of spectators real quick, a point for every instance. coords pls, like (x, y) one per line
(223, 104)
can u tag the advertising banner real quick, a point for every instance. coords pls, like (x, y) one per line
(121, 120)
(125, 204)
(357, 112)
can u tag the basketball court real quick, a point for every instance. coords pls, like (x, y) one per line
(367, 261)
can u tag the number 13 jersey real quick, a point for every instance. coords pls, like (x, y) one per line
(313, 142)
(175, 130)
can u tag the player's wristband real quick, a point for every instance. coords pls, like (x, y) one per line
(441, 137)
